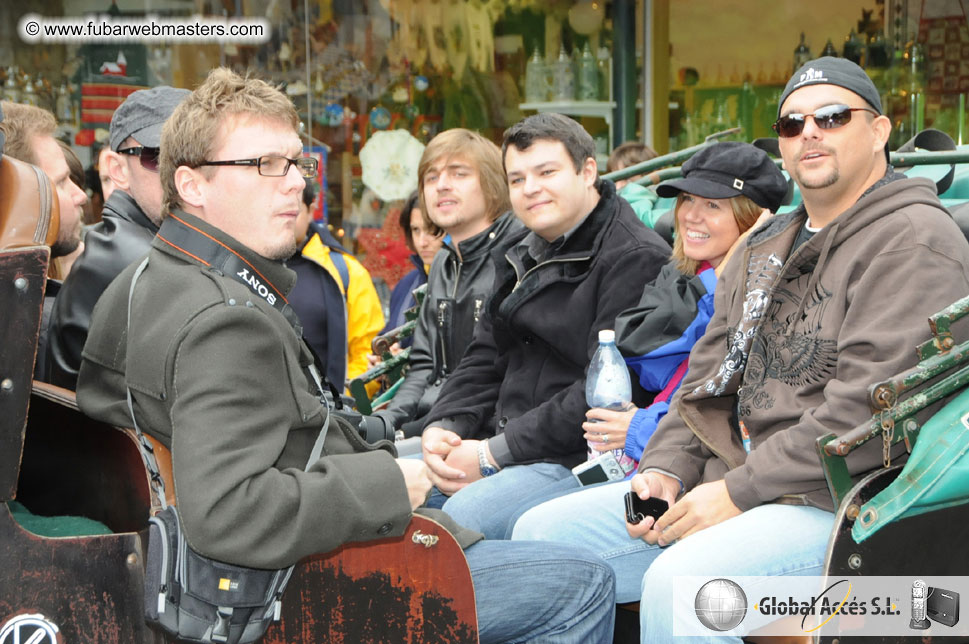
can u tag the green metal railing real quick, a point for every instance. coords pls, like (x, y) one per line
(894, 419)
(391, 367)
(659, 169)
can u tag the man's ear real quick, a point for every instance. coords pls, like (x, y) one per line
(188, 184)
(590, 171)
(882, 127)
(117, 169)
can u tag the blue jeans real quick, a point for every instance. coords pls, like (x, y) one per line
(530, 592)
(487, 505)
(768, 540)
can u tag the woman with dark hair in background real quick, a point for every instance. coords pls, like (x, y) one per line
(424, 245)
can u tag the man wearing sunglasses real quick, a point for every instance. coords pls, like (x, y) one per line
(130, 219)
(822, 302)
(830, 299)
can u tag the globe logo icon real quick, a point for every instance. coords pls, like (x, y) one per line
(720, 605)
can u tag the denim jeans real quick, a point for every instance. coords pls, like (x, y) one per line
(768, 540)
(530, 592)
(487, 505)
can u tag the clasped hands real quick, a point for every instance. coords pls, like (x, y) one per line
(452, 461)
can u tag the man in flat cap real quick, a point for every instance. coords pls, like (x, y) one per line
(820, 303)
(129, 222)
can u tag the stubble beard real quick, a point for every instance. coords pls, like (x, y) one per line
(808, 182)
(284, 250)
(817, 183)
(63, 247)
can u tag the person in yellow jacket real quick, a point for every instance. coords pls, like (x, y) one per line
(338, 306)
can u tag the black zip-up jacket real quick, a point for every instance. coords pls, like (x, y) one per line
(123, 235)
(457, 290)
(522, 380)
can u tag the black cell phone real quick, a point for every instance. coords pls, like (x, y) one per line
(638, 509)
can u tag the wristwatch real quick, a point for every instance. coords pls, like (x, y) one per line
(487, 469)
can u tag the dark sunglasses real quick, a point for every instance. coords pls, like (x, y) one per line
(829, 117)
(148, 156)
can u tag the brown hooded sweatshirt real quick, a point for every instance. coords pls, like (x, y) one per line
(798, 336)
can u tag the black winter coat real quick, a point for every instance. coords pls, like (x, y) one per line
(123, 235)
(457, 290)
(522, 380)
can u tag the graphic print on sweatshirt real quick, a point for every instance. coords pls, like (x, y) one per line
(762, 272)
(790, 348)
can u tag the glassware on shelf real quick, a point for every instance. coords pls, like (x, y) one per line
(604, 67)
(802, 54)
(563, 87)
(29, 95)
(588, 89)
(11, 90)
(536, 72)
(63, 111)
(854, 49)
(879, 54)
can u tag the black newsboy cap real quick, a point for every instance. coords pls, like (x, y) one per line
(730, 169)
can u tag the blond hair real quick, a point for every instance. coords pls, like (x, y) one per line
(480, 153)
(745, 213)
(21, 123)
(193, 131)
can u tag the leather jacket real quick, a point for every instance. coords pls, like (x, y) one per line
(457, 291)
(123, 235)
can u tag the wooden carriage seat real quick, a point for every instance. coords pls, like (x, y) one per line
(29, 220)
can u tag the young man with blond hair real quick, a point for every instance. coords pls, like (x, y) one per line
(461, 187)
(218, 373)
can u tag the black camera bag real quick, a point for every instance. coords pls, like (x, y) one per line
(199, 599)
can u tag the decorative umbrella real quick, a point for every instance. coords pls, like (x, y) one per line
(389, 162)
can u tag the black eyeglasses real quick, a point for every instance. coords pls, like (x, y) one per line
(148, 156)
(274, 166)
(829, 117)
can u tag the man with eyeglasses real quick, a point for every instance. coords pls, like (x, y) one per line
(130, 219)
(822, 302)
(216, 370)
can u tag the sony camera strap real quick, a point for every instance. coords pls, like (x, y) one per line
(148, 450)
(195, 243)
(198, 245)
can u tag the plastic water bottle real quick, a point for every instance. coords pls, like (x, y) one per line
(607, 383)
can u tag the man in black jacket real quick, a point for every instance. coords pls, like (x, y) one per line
(29, 131)
(521, 384)
(129, 222)
(462, 189)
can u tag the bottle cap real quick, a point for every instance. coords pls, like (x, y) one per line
(607, 335)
